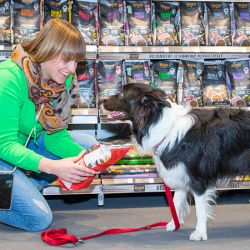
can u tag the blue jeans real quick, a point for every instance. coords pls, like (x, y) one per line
(29, 210)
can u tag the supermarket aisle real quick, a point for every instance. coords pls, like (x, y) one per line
(230, 231)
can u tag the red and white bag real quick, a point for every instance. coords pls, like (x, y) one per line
(98, 158)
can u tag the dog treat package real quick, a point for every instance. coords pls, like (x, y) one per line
(56, 9)
(5, 22)
(86, 76)
(165, 77)
(242, 24)
(166, 23)
(26, 20)
(215, 91)
(139, 23)
(109, 78)
(192, 23)
(112, 22)
(84, 18)
(192, 83)
(239, 76)
(137, 71)
(219, 24)
(98, 158)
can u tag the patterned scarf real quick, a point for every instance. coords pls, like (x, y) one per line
(41, 90)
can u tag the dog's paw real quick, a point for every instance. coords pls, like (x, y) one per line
(170, 226)
(198, 236)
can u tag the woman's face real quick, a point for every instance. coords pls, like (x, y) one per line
(58, 70)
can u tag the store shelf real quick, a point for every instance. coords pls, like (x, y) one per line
(225, 1)
(5, 51)
(171, 52)
(84, 116)
(136, 187)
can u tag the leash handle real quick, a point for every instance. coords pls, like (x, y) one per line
(60, 237)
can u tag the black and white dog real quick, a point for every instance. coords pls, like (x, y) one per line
(192, 147)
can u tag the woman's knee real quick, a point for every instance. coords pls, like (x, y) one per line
(39, 221)
(84, 140)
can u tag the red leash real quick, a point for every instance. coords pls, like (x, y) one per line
(60, 237)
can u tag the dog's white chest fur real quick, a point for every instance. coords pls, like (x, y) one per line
(175, 177)
(171, 128)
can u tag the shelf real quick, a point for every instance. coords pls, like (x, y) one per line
(6, 50)
(84, 116)
(153, 52)
(138, 188)
(57, 190)
(171, 52)
(225, 1)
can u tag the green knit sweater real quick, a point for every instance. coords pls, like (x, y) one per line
(18, 117)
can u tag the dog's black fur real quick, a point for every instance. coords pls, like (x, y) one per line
(216, 145)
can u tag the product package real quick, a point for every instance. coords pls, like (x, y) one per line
(192, 24)
(139, 23)
(56, 9)
(165, 77)
(86, 76)
(5, 22)
(166, 23)
(98, 158)
(84, 18)
(242, 24)
(137, 71)
(219, 24)
(112, 22)
(192, 83)
(238, 71)
(109, 78)
(26, 20)
(215, 91)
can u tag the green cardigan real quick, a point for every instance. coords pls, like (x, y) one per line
(17, 118)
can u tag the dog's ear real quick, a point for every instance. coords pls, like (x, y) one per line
(159, 93)
(154, 101)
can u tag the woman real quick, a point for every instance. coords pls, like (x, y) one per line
(39, 80)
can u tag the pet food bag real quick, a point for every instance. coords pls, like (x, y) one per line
(238, 71)
(86, 76)
(26, 20)
(5, 22)
(84, 18)
(112, 22)
(56, 9)
(166, 23)
(219, 24)
(192, 24)
(215, 91)
(242, 24)
(98, 158)
(139, 23)
(137, 71)
(165, 77)
(109, 78)
(192, 83)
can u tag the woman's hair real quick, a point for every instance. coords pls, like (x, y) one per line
(58, 38)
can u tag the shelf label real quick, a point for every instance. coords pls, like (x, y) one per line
(139, 188)
(134, 56)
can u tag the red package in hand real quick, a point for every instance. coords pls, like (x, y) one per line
(98, 158)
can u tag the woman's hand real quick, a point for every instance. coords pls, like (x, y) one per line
(67, 169)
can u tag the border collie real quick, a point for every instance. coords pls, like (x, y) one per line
(192, 148)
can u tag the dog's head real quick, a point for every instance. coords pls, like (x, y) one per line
(140, 103)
